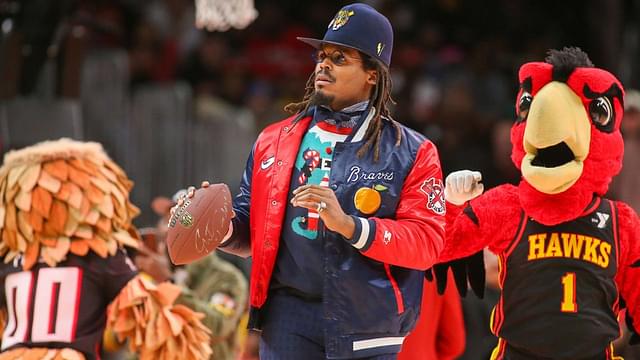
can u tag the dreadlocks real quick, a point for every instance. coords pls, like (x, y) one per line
(380, 99)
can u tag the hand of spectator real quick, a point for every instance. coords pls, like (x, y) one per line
(324, 201)
(462, 186)
(154, 264)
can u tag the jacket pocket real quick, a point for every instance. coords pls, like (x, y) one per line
(396, 289)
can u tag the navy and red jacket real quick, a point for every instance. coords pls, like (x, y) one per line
(373, 283)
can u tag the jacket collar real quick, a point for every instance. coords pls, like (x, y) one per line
(301, 122)
(362, 129)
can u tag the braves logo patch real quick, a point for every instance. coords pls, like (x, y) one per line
(386, 237)
(435, 195)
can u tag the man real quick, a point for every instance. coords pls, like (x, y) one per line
(340, 207)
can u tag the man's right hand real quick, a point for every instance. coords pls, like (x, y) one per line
(462, 186)
(191, 190)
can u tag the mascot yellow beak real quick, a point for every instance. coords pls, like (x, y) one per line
(556, 139)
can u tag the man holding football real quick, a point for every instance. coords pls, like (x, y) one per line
(340, 207)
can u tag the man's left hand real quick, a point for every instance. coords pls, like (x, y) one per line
(324, 201)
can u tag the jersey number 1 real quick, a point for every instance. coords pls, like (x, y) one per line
(569, 293)
(55, 305)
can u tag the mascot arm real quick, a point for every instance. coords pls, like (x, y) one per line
(628, 276)
(489, 220)
(157, 328)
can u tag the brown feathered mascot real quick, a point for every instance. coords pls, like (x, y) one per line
(65, 220)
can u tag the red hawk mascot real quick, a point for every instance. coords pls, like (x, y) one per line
(568, 255)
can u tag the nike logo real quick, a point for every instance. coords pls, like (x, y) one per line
(267, 163)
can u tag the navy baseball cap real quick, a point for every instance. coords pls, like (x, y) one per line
(361, 27)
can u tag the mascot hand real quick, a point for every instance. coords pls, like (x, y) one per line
(462, 186)
(466, 271)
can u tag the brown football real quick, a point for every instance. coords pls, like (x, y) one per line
(199, 225)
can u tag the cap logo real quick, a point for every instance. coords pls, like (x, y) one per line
(340, 19)
(379, 48)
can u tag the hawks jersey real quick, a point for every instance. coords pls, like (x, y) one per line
(62, 306)
(561, 275)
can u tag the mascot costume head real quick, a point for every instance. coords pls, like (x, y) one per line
(566, 139)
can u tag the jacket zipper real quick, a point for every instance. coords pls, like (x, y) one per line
(396, 289)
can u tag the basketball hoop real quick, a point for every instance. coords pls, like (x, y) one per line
(220, 15)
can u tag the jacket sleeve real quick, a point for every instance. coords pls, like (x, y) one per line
(492, 220)
(240, 241)
(415, 237)
(628, 276)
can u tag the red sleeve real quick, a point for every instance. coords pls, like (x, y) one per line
(628, 277)
(415, 237)
(491, 220)
(450, 340)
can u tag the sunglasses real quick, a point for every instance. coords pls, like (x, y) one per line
(337, 57)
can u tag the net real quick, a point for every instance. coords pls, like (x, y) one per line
(221, 15)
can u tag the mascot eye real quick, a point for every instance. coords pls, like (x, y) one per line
(523, 105)
(601, 111)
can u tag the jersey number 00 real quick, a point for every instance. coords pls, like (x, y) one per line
(54, 306)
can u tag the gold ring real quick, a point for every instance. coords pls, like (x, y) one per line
(321, 206)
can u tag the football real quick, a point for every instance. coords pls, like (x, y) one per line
(200, 224)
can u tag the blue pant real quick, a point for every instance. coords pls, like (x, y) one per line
(293, 330)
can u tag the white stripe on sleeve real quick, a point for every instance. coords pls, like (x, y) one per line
(364, 234)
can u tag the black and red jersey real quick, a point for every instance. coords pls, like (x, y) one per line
(62, 306)
(561, 275)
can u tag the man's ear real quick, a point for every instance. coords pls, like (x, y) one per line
(372, 77)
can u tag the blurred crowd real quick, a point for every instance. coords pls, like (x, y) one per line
(454, 71)
(454, 63)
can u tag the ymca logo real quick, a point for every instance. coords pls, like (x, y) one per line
(601, 220)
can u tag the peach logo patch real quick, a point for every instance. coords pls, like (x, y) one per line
(368, 200)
